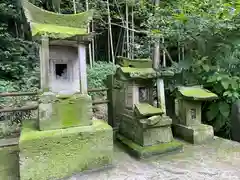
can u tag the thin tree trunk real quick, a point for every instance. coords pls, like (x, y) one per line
(89, 46)
(110, 32)
(160, 83)
(132, 49)
(123, 44)
(109, 47)
(164, 54)
(128, 55)
(93, 43)
(74, 7)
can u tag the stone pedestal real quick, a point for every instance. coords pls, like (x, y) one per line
(56, 154)
(63, 111)
(196, 134)
(146, 137)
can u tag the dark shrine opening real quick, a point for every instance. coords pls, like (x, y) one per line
(60, 69)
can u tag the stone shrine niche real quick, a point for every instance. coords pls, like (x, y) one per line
(64, 69)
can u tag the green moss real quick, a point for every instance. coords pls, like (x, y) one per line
(50, 23)
(145, 109)
(147, 151)
(9, 164)
(142, 73)
(196, 93)
(136, 63)
(55, 154)
(55, 31)
(67, 111)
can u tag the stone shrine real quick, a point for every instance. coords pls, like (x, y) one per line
(143, 128)
(65, 140)
(188, 124)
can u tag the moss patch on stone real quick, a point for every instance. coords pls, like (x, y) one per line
(196, 93)
(56, 25)
(145, 109)
(136, 63)
(55, 154)
(9, 161)
(66, 111)
(55, 31)
(147, 151)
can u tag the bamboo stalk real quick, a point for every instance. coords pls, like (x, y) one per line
(110, 33)
(89, 46)
(132, 34)
(128, 55)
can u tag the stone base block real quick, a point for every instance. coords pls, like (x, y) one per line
(145, 136)
(148, 151)
(196, 134)
(9, 160)
(56, 154)
(64, 111)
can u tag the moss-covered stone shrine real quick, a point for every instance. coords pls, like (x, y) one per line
(65, 140)
(144, 128)
(188, 124)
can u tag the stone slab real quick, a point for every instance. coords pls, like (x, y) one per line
(9, 159)
(196, 134)
(64, 111)
(148, 151)
(55, 154)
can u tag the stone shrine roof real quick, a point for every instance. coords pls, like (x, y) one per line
(141, 73)
(196, 93)
(54, 25)
(136, 63)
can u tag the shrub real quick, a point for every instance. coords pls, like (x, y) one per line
(98, 74)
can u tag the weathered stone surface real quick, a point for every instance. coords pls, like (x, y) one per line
(56, 154)
(147, 151)
(145, 136)
(195, 134)
(65, 111)
(153, 136)
(9, 160)
(184, 112)
(218, 160)
(235, 121)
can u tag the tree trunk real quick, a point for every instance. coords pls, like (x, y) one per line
(110, 32)
(127, 28)
(89, 46)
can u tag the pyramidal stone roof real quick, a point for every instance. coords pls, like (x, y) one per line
(55, 25)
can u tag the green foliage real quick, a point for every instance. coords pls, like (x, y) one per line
(98, 74)
(209, 33)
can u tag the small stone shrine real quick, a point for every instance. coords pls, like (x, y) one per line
(143, 128)
(188, 124)
(65, 140)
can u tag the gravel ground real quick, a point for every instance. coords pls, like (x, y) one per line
(219, 159)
